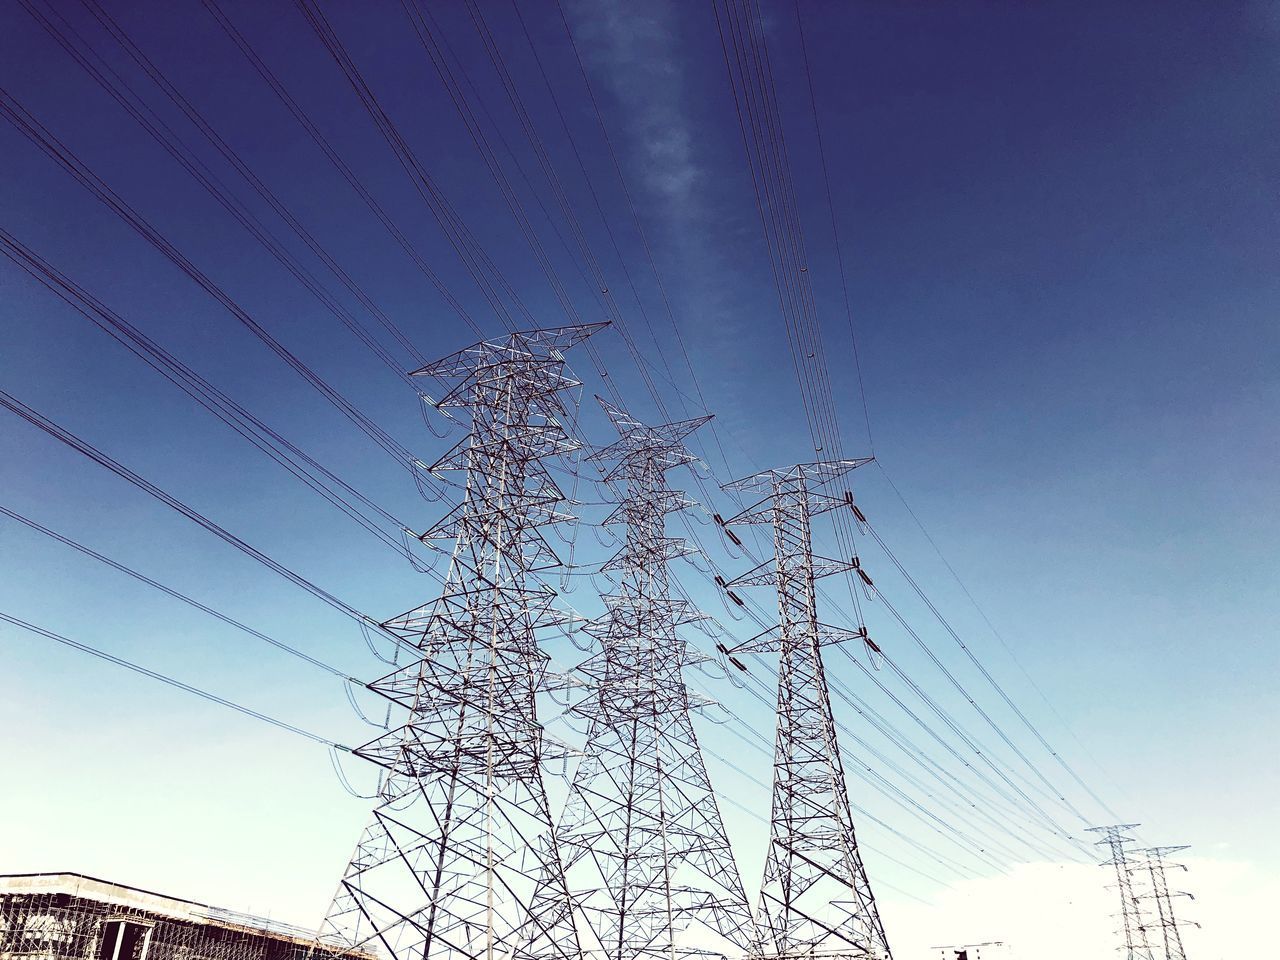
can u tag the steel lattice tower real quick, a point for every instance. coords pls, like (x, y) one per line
(1132, 920)
(460, 859)
(816, 900)
(1156, 865)
(644, 844)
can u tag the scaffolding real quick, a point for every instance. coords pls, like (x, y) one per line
(68, 916)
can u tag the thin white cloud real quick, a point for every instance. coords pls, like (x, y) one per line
(637, 56)
(636, 49)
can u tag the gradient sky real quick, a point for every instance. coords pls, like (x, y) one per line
(1060, 223)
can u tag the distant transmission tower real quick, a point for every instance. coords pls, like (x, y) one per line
(644, 845)
(1137, 946)
(816, 900)
(460, 859)
(1157, 866)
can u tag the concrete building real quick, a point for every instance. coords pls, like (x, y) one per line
(68, 916)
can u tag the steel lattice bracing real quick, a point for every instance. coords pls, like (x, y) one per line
(1133, 924)
(460, 859)
(816, 900)
(1170, 936)
(644, 845)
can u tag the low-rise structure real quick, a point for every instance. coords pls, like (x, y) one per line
(68, 916)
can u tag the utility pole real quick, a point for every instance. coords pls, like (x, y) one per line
(460, 859)
(645, 848)
(1137, 946)
(1156, 864)
(816, 900)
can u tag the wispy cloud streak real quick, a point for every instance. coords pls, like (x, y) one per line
(643, 62)
(637, 52)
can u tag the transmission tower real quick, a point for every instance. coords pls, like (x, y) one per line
(460, 859)
(1157, 865)
(816, 899)
(1137, 946)
(644, 844)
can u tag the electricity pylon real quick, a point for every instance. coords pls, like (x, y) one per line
(644, 845)
(460, 859)
(1137, 946)
(1156, 865)
(816, 900)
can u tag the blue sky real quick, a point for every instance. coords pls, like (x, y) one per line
(1060, 226)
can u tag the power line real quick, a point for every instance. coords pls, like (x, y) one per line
(326, 147)
(969, 654)
(178, 595)
(171, 681)
(969, 741)
(835, 230)
(880, 786)
(41, 422)
(754, 92)
(305, 468)
(760, 119)
(991, 626)
(39, 135)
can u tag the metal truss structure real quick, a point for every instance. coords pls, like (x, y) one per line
(460, 859)
(1137, 945)
(1170, 934)
(816, 900)
(645, 848)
